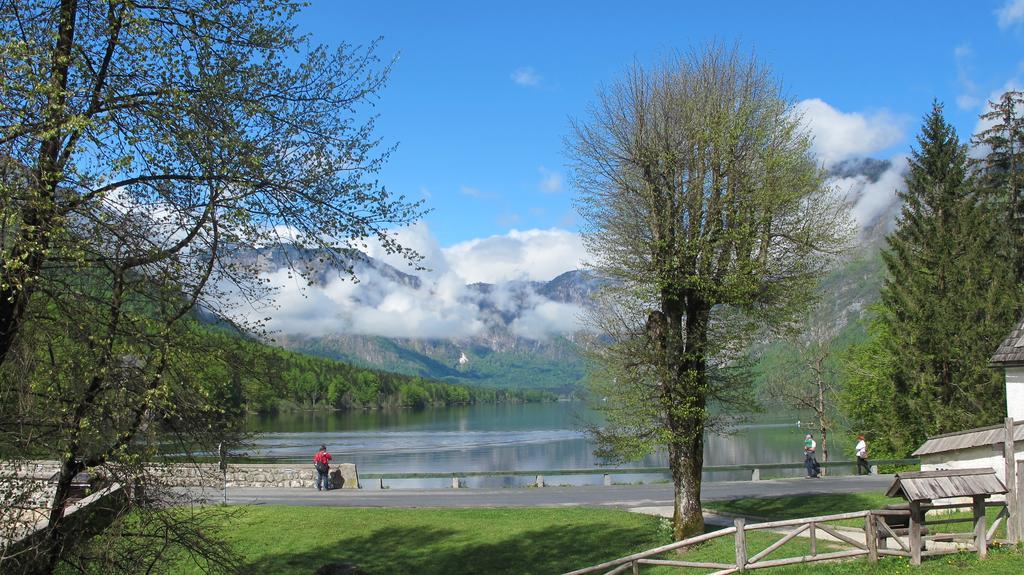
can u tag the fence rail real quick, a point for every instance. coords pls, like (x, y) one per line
(845, 543)
(755, 469)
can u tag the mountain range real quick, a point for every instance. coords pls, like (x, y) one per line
(526, 334)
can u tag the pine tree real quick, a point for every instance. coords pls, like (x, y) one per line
(949, 295)
(1001, 170)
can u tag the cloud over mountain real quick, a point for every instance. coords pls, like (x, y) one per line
(841, 135)
(466, 290)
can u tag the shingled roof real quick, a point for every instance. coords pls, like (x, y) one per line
(928, 485)
(971, 438)
(1011, 351)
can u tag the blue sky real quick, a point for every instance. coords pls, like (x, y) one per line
(480, 98)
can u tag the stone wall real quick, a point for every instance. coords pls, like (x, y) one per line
(343, 476)
(298, 475)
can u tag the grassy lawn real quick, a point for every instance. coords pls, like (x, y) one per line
(814, 505)
(793, 507)
(277, 539)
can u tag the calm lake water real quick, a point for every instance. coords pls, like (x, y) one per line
(501, 438)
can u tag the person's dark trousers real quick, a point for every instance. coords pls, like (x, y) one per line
(323, 479)
(810, 464)
(862, 463)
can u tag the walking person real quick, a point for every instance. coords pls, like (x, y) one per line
(862, 456)
(323, 467)
(810, 462)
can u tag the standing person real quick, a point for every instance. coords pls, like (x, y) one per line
(810, 462)
(862, 456)
(322, 463)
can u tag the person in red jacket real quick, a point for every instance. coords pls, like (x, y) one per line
(323, 466)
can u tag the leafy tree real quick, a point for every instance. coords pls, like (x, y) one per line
(868, 396)
(708, 215)
(145, 150)
(807, 378)
(948, 300)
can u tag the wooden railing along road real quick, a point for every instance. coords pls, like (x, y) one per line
(867, 541)
(754, 469)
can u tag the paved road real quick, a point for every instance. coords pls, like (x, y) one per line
(624, 496)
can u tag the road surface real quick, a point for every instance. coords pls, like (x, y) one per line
(621, 496)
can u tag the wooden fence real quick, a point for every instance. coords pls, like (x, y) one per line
(869, 540)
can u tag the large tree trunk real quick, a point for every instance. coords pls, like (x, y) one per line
(687, 464)
(28, 254)
(686, 346)
(52, 541)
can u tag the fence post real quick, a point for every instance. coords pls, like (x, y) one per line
(1010, 475)
(814, 538)
(741, 544)
(871, 537)
(916, 517)
(1019, 511)
(980, 541)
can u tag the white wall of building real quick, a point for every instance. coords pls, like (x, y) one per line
(976, 457)
(1015, 393)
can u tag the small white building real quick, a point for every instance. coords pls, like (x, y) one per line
(974, 448)
(983, 447)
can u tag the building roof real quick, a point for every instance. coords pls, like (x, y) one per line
(1011, 351)
(980, 437)
(929, 485)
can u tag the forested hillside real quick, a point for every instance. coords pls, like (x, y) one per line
(264, 378)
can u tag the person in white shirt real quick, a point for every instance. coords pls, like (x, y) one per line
(810, 461)
(862, 456)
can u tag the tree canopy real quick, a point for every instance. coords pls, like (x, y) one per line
(949, 297)
(145, 149)
(708, 214)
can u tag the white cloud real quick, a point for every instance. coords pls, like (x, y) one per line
(1010, 13)
(548, 318)
(839, 135)
(440, 303)
(525, 76)
(531, 254)
(550, 181)
(377, 305)
(872, 198)
(968, 98)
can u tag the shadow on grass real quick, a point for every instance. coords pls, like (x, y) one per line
(797, 506)
(430, 551)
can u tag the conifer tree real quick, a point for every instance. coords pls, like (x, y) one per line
(1001, 170)
(949, 295)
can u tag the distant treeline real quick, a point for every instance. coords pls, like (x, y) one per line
(264, 379)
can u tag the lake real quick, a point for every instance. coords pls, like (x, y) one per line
(504, 437)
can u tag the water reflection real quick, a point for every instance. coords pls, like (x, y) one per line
(502, 438)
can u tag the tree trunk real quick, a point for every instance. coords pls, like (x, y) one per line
(28, 254)
(687, 465)
(686, 403)
(52, 545)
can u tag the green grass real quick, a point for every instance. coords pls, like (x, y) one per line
(277, 539)
(999, 562)
(287, 540)
(794, 507)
